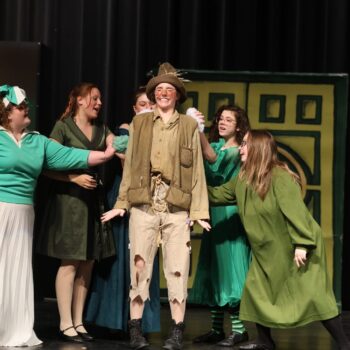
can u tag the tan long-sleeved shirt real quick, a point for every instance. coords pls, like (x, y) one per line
(164, 146)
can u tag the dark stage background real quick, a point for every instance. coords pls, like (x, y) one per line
(114, 43)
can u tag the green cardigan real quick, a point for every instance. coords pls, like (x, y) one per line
(278, 294)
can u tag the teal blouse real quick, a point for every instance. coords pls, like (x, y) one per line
(21, 163)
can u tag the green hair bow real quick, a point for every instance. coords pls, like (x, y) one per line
(12, 94)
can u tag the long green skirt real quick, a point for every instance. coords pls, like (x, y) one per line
(223, 261)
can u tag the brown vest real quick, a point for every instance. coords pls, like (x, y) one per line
(179, 193)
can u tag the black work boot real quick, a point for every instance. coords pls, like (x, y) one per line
(137, 340)
(174, 342)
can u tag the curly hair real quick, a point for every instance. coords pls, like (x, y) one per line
(4, 114)
(82, 89)
(242, 123)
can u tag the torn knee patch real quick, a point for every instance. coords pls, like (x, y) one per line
(138, 259)
(138, 300)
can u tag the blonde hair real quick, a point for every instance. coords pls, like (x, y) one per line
(82, 89)
(261, 160)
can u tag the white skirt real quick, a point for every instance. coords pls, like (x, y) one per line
(16, 276)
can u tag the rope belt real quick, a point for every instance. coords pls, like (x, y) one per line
(159, 190)
(159, 205)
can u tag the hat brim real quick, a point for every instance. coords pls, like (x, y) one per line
(170, 79)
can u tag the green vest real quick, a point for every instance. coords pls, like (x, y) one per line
(180, 188)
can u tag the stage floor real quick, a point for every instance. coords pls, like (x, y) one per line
(311, 337)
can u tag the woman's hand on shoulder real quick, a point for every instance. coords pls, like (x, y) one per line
(108, 215)
(109, 152)
(198, 117)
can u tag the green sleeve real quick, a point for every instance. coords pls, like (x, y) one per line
(120, 143)
(301, 225)
(224, 194)
(58, 132)
(108, 131)
(58, 157)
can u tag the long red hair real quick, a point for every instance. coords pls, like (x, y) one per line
(82, 90)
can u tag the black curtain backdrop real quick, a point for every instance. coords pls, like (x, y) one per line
(114, 43)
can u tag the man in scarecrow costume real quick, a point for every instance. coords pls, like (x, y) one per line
(164, 189)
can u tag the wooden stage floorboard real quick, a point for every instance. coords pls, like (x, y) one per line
(311, 337)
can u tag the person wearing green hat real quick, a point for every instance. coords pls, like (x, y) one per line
(164, 188)
(23, 155)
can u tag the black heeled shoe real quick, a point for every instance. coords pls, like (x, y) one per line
(70, 338)
(84, 335)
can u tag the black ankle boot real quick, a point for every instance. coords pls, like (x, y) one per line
(174, 342)
(137, 340)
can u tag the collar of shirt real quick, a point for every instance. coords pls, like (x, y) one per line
(173, 120)
(25, 132)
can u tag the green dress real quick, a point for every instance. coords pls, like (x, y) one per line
(71, 227)
(278, 294)
(224, 254)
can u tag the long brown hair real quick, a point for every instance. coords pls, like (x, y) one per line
(261, 160)
(242, 123)
(82, 89)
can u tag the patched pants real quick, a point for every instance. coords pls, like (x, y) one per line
(149, 227)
